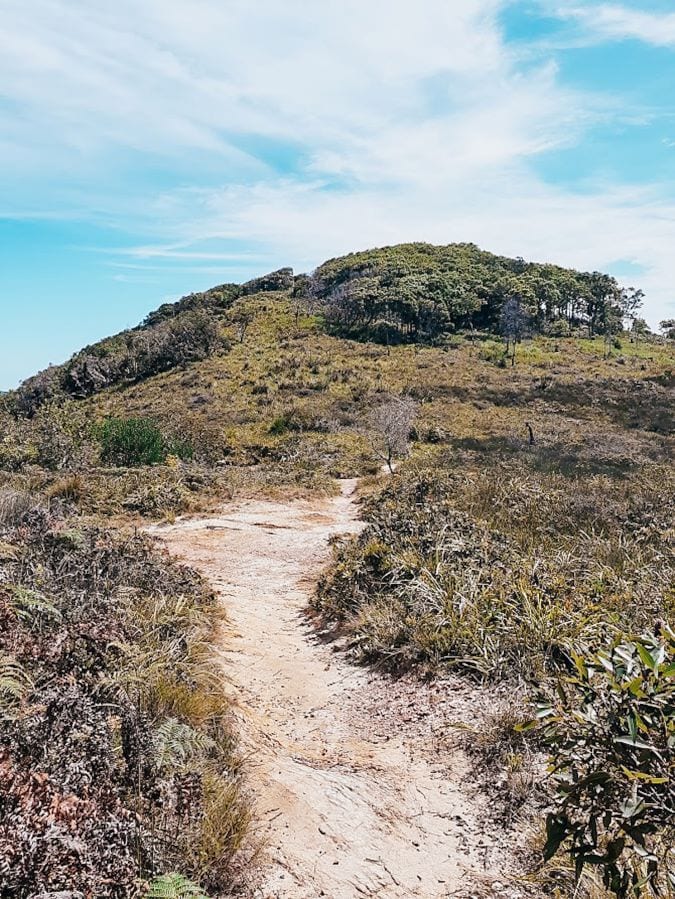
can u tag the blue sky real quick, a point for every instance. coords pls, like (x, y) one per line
(151, 149)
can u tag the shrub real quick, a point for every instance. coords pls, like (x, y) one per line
(493, 352)
(15, 505)
(611, 730)
(282, 424)
(131, 442)
(280, 280)
(116, 755)
(162, 343)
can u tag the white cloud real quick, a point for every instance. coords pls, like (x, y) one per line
(161, 76)
(173, 118)
(615, 21)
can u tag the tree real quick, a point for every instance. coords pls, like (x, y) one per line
(601, 294)
(514, 323)
(611, 328)
(640, 329)
(667, 327)
(241, 319)
(388, 428)
(629, 301)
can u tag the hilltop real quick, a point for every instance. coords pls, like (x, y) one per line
(407, 293)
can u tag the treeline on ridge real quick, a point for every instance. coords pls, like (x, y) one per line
(419, 292)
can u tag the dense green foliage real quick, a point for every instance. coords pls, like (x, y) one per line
(282, 279)
(214, 302)
(137, 441)
(131, 441)
(421, 292)
(611, 729)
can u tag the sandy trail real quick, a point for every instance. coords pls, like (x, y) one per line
(353, 802)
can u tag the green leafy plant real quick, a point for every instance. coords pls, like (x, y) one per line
(174, 886)
(132, 441)
(610, 727)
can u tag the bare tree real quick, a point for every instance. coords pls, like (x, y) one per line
(388, 428)
(514, 323)
(241, 319)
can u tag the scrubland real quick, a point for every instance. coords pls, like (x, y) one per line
(526, 539)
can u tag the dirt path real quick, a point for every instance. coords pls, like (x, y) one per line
(352, 798)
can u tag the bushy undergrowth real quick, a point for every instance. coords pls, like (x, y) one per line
(128, 357)
(497, 573)
(138, 441)
(116, 757)
(610, 726)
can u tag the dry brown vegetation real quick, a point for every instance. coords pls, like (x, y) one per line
(116, 757)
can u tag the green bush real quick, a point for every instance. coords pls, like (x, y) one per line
(611, 731)
(137, 441)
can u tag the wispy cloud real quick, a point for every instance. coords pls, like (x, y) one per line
(282, 132)
(615, 21)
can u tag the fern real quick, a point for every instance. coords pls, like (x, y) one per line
(174, 886)
(175, 743)
(14, 683)
(30, 603)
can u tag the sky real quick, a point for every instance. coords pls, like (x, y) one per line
(151, 148)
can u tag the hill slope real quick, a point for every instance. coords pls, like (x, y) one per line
(409, 292)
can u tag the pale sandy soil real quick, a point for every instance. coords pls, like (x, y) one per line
(355, 794)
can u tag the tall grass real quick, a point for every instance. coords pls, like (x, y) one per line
(498, 572)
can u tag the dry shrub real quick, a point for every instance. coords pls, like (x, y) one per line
(117, 760)
(497, 575)
(15, 505)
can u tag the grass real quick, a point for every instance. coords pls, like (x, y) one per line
(289, 401)
(496, 570)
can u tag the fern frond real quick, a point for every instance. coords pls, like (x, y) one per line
(14, 682)
(175, 743)
(174, 886)
(29, 603)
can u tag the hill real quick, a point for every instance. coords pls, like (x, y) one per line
(525, 534)
(406, 293)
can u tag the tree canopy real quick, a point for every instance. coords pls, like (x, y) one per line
(420, 292)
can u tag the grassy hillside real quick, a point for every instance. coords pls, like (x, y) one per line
(529, 524)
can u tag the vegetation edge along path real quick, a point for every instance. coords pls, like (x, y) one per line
(353, 797)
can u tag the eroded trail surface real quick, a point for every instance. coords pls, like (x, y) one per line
(353, 796)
